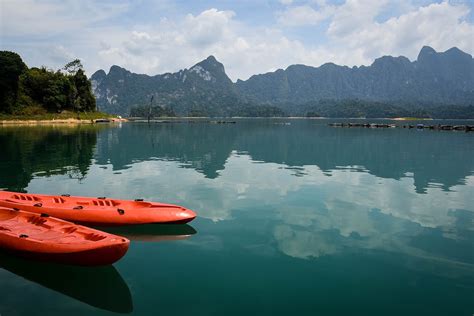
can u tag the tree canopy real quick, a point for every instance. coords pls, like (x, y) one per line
(11, 67)
(73, 67)
(41, 88)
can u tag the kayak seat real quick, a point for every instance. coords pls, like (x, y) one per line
(6, 216)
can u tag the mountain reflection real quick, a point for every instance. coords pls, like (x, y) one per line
(427, 156)
(393, 153)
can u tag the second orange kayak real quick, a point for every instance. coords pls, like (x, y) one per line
(47, 238)
(97, 211)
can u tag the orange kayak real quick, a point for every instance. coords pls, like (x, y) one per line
(97, 211)
(47, 238)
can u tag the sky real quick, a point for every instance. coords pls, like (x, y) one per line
(248, 37)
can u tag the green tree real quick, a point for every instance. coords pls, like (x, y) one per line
(11, 67)
(85, 100)
(73, 67)
(52, 90)
(55, 91)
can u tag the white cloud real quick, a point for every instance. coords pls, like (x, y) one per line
(172, 44)
(305, 15)
(440, 25)
(60, 54)
(243, 51)
(358, 31)
(49, 17)
(210, 27)
(354, 15)
(315, 215)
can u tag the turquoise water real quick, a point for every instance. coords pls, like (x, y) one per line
(295, 218)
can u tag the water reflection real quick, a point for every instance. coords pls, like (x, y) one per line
(393, 153)
(101, 287)
(153, 233)
(204, 147)
(44, 151)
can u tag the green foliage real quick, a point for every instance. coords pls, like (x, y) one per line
(373, 109)
(452, 112)
(312, 114)
(357, 108)
(38, 113)
(53, 90)
(11, 67)
(73, 67)
(84, 99)
(28, 90)
(156, 111)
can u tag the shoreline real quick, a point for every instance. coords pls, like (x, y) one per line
(73, 121)
(62, 121)
(132, 119)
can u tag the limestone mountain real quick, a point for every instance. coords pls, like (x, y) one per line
(205, 89)
(437, 78)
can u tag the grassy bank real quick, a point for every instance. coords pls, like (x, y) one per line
(65, 115)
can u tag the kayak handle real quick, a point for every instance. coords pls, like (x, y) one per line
(120, 211)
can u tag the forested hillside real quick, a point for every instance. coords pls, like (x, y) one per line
(437, 84)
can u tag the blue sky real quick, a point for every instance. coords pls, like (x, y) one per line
(248, 37)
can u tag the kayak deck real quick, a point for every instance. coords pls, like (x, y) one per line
(48, 238)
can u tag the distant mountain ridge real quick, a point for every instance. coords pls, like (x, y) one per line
(205, 89)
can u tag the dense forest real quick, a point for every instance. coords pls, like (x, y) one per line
(31, 91)
(326, 108)
(376, 109)
(242, 111)
(154, 111)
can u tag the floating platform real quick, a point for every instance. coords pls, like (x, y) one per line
(439, 127)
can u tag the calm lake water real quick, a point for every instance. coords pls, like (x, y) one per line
(295, 218)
